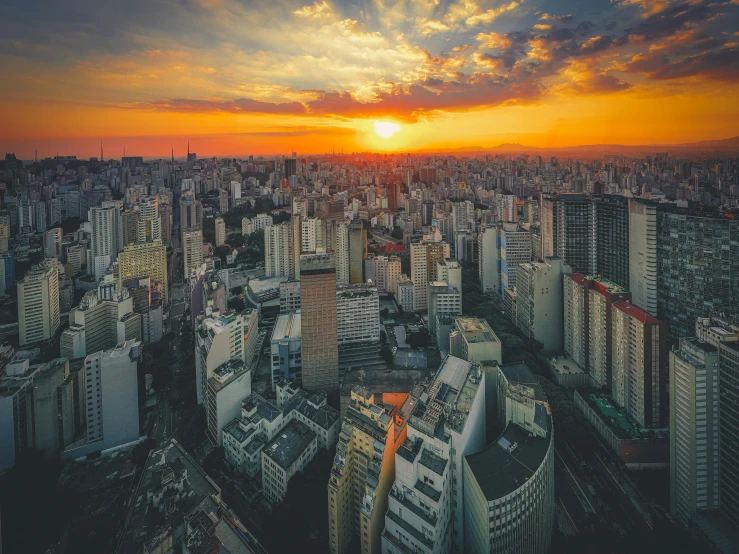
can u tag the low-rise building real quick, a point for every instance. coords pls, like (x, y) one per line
(286, 454)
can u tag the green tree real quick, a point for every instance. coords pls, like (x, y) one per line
(397, 233)
(236, 304)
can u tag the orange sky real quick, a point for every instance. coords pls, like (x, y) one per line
(285, 75)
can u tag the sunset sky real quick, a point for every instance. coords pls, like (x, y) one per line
(273, 76)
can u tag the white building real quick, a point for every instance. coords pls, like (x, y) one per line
(256, 223)
(38, 304)
(220, 231)
(106, 237)
(425, 506)
(509, 486)
(501, 248)
(443, 299)
(149, 222)
(424, 257)
(313, 234)
(111, 400)
(507, 209)
(643, 255)
(341, 255)
(286, 454)
(473, 339)
(229, 385)
(406, 294)
(357, 314)
(539, 302)
(220, 338)
(278, 250)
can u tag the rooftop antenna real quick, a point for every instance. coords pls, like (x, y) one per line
(35, 159)
(172, 156)
(102, 159)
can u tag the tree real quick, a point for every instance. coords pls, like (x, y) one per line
(280, 217)
(418, 340)
(397, 233)
(236, 291)
(236, 240)
(387, 354)
(70, 225)
(237, 304)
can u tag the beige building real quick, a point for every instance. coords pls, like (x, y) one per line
(374, 427)
(192, 250)
(139, 260)
(424, 258)
(473, 339)
(220, 231)
(38, 305)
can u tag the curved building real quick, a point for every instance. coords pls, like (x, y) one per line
(509, 486)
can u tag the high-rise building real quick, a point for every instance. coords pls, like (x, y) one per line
(227, 387)
(694, 428)
(145, 259)
(52, 243)
(313, 234)
(130, 227)
(318, 322)
(256, 223)
(192, 250)
(149, 221)
(639, 364)
(357, 314)
(729, 431)
(220, 231)
(501, 248)
(539, 302)
(191, 211)
(424, 257)
(105, 239)
(278, 250)
(425, 510)
(611, 242)
(111, 400)
(357, 252)
(373, 429)
(588, 305)
(509, 503)
(697, 266)
(443, 299)
(286, 348)
(566, 229)
(507, 209)
(450, 271)
(341, 254)
(406, 294)
(38, 305)
(473, 339)
(54, 402)
(643, 255)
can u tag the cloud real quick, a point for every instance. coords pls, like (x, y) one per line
(717, 65)
(240, 105)
(490, 15)
(317, 10)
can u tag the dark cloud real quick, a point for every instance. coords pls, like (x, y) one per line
(717, 65)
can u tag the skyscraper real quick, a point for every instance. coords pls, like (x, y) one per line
(357, 252)
(729, 430)
(192, 249)
(278, 250)
(610, 234)
(145, 259)
(318, 321)
(38, 305)
(341, 255)
(105, 238)
(220, 231)
(150, 224)
(643, 254)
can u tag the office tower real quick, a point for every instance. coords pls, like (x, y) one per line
(443, 299)
(54, 393)
(147, 302)
(393, 274)
(286, 348)
(55, 211)
(729, 431)
(363, 473)
(313, 234)
(220, 232)
(639, 364)
(507, 209)
(223, 198)
(424, 257)
(588, 303)
(278, 250)
(4, 236)
(111, 400)
(610, 235)
(694, 428)
(473, 339)
(427, 213)
(99, 324)
(165, 215)
(191, 211)
(378, 273)
(507, 510)
(426, 503)
(16, 423)
(488, 258)
(227, 387)
(7, 271)
(566, 229)
(357, 252)
(392, 191)
(357, 314)
(697, 266)
(342, 254)
(150, 223)
(130, 227)
(643, 254)
(106, 227)
(318, 322)
(53, 243)
(38, 305)
(145, 259)
(291, 167)
(450, 271)
(539, 302)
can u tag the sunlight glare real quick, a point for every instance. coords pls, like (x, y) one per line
(386, 129)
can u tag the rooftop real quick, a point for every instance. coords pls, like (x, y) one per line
(617, 419)
(475, 330)
(507, 464)
(287, 326)
(635, 312)
(287, 446)
(565, 366)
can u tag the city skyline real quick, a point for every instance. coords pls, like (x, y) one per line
(310, 77)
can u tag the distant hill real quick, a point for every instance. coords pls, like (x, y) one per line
(729, 146)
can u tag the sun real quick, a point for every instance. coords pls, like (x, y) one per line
(386, 129)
